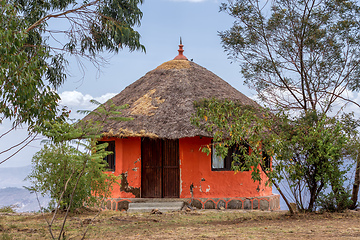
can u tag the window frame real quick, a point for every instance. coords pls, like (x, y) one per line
(227, 161)
(110, 159)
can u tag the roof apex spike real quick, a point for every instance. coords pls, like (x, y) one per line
(181, 50)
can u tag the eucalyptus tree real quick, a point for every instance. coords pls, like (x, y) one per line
(36, 37)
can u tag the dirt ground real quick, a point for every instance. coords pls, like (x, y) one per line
(200, 224)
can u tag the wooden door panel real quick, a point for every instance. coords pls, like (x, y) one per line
(151, 165)
(151, 184)
(170, 183)
(171, 169)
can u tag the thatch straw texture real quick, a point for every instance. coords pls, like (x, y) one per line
(161, 102)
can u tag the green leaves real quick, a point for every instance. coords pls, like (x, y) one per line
(24, 98)
(308, 151)
(56, 164)
(312, 156)
(233, 123)
(296, 54)
(301, 57)
(71, 165)
(31, 69)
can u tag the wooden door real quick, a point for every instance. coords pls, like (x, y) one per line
(160, 175)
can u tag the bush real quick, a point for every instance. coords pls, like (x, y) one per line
(7, 209)
(332, 202)
(65, 172)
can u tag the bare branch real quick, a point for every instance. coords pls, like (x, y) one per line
(19, 148)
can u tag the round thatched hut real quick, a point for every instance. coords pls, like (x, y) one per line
(157, 153)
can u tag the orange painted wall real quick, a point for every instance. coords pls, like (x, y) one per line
(128, 162)
(196, 169)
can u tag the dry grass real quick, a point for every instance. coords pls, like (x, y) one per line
(205, 224)
(174, 64)
(128, 133)
(144, 106)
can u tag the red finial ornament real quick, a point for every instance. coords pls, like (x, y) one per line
(181, 50)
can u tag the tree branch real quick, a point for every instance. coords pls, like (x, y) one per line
(47, 17)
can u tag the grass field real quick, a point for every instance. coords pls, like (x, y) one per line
(200, 224)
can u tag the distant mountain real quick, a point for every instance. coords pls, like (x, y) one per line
(21, 199)
(12, 192)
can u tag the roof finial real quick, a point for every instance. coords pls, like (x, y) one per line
(181, 50)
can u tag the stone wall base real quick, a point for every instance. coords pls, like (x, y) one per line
(265, 203)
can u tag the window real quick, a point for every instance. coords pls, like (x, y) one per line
(266, 159)
(110, 159)
(224, 164)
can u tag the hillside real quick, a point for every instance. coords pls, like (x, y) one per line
(12, 192)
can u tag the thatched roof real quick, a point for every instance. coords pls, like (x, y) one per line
(161, 102)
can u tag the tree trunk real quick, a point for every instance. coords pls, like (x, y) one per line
(314, 192)
(355, 192)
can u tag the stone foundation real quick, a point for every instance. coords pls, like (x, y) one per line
(265, 203)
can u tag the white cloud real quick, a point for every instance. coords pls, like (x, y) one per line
(348, 106)
(75, 100)
(338, 107)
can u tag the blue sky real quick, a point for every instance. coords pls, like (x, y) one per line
(163, 22)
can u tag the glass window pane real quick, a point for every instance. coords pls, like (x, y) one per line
(217, 161)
